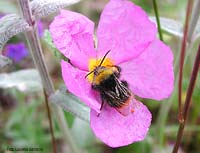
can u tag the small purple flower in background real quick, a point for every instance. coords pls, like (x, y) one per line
(146, 65)
(16, 52)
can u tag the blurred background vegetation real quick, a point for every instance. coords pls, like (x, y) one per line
(23, 116)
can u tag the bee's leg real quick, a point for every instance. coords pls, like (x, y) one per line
(102, 104)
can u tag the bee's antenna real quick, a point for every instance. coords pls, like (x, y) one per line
(99, 64)
(104, 58)
(89, 73)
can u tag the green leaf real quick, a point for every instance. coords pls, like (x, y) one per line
(70, 103)
(24, 80)
(48, 39)
(27, 125)
(170, 26)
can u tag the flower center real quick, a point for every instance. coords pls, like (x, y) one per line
(94, 63)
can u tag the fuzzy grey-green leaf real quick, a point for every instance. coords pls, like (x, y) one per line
(170, 26)
(24, 80)
(42, 8)
(11, 25)
(4, 61)
(70, 103)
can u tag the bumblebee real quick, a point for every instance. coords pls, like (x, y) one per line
(113, 91)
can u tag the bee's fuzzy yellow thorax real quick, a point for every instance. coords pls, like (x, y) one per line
(109, 69)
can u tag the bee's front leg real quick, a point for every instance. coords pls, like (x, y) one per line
(102, 104)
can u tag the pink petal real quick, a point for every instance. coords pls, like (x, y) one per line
(151, 75)
(117, 130)
(125, 29)
(72, 34)
(126, 109)
(79, 86)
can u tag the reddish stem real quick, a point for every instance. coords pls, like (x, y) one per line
(188, 100)
(182, 57)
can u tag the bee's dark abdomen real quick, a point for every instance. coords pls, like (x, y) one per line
(114, 100)
(109, 83)
(113, 91)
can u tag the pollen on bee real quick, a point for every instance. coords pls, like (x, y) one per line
(93, 63)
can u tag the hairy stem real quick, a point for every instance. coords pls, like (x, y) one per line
(157, 19)
(188, 100)
(182, 57)
(35, 47)
(37, 55)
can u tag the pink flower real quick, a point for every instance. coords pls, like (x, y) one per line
(146, 64)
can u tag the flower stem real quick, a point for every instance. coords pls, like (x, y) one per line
(37, 55)
(157, 19)
(50, 122)
(194, 19)
(182, 57)
(188, 100)
(35, 47)
(165, 106)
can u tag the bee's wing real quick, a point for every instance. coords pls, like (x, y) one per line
(127, 106)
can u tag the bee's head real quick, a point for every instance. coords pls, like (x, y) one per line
(100, 69)
(101, 73)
